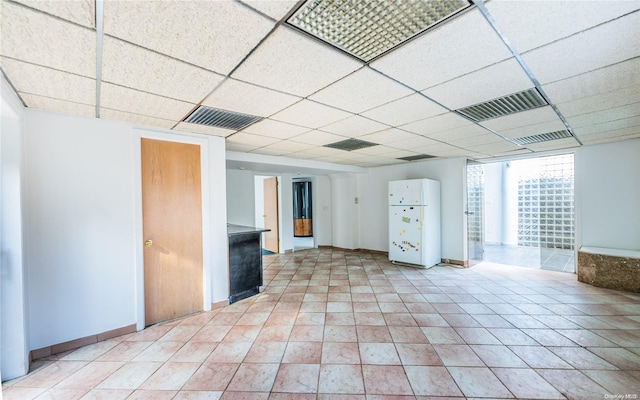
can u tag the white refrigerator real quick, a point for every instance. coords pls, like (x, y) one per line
(414, 222)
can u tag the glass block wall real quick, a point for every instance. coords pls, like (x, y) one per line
(546, 202)
(475, 201)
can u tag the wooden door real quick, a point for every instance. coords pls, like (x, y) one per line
(271, 214)
(172, 225)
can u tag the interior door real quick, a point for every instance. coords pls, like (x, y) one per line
(172, 226)
(475, 212)
(271, 241)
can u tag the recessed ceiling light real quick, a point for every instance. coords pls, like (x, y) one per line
(366, 28)
(511, 104)
(221, 118)
(545, 137)
(350, 144)
(416, 157)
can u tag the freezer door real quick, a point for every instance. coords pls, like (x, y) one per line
(407, 192)
(406, 234)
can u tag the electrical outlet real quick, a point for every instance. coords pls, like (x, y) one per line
(356, 200)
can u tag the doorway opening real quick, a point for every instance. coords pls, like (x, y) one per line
(302, 215)
(267, 211)
(521, 212)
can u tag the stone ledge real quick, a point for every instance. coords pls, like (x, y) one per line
(610, 268)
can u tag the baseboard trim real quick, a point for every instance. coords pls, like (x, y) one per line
(77, 343)
(455, 262)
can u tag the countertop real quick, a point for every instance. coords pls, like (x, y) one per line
(241, 229)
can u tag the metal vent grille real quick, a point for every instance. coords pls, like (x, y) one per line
(545, 137)
(368, 28)
(350, 144)
(221, 118)
(514, 103)
(416, 157)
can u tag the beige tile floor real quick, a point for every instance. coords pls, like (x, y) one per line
(343, 325)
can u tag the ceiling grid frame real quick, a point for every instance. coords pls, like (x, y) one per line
(485, 13)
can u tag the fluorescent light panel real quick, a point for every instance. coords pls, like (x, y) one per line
(350, 144)
(416, 157)
(367, 29)
(220, 118)
(511, 104)
(545, 137)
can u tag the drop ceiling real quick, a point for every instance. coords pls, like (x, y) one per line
(152, 63)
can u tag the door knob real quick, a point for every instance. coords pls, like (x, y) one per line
(148, 242)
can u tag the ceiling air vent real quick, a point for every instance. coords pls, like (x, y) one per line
(221, 118)
(416, 157)
(545, 137)
(350, 144)
(366, 28)
(514, 103)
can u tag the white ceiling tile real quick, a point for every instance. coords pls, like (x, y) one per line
(354, 126)
(276, 9)
(488, 83)
(47, 82)
(412, 143)
(378, 150)
(600, 102)
(603, 80)
(361, 91)
(40, 39)
(609, 126)
(246, 98)
(534, 129)
(239, 147)
(524, 118)
(294, 63)
(318, 138)
(206, 130)
(436, 149)
(459, 133)
(269, 151)
(399, 153)
(530, 24)
(599, 117)
(251, 139)
(465, 44)
(403, 111)
(116, 115)
(493, 148)
(57, 105)
(554, 144)
(129, 100)
(215, 35)
(388, 136)
(276, 129)
(81, 12)
(470, 141)
(611, 136)
(442, 122)
(287, 146)
(137, 68)
(310, 114)
(317, 153)
(595, 48)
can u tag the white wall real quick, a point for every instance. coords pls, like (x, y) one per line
(240, 197)
(259, 200)
(608, 195)
(345, 230)
(82, 216)
(322, 211)
(14, 347)
(285, 204)
(372, 207)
